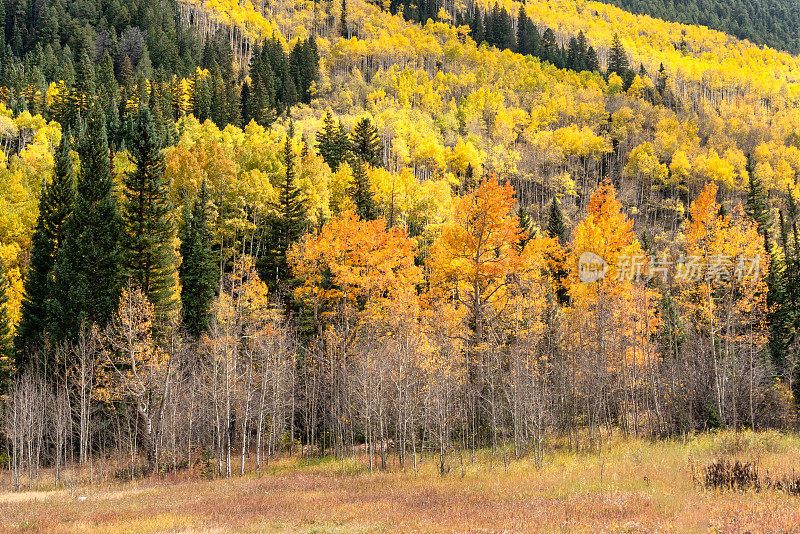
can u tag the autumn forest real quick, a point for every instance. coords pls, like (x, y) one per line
(233, 232)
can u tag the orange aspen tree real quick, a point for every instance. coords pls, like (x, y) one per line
(723, 293)
(610, 310)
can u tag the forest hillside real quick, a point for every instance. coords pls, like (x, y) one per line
(233, 229)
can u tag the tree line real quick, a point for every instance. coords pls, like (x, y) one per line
(772, 23)
(344, 335)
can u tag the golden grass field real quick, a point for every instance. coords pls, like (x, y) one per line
(646, 486)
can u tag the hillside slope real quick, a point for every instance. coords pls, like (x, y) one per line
(773, 23)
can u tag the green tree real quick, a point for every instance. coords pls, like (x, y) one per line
(147, 218)
(333, 144)
(366, 143)
(55, 206)
(618, 58)
(756, 207)
(343, 21)
(361, 193)
(287, 223)
(87, 274)
(592, 63)
(198, 270)
(556, 227)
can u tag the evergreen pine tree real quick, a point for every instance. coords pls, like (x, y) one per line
(522, 32)
(757, 208)
(550, 50)
(107, 86)
(477, 28)
(780, 323)
(333, 143)
(147, 218)
(126, 72)
(87, 274)
(361, 193)
(246, 112)
(618, 58)
(343, 21)
(592, 63)
(287, 223)
(556, 227)
(55, 206)
(198, 270)
(469, 182)
(366, 143)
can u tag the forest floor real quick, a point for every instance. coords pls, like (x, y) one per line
(633, 485)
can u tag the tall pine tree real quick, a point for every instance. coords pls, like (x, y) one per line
(366, 142)
(757, 208)
(287, 223)
(55, 206)
(198, 271)
(618, 58)
(333, 143)
(147, 219)
(361, 193)
(556, 227)
(87, 274)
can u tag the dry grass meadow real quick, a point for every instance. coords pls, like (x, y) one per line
(631, 486)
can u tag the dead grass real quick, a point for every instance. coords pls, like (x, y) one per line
(646, 486)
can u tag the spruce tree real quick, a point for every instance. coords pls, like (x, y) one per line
(107, 86)
(477, 28)
(87, 274)
(198, 271)
(147, 218)
(287, 223)
(592, 63)
(343, 21)
(618, 58)
(55, 206)
(556, 227)
(333, 143)
(366, 143)
(757, 208)
(361, 193)
(523, 41)
(550, 50)
(779, 309)
(126, 71)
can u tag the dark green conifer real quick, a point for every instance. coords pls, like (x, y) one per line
(361, 193)
(618, 58)
(55, 206)
(366, 143)
(198, 271)
(756, 207)
(343, 21)
(287, 223)
(333, 144)
(556, 227)
(147, 218)
(87, 274)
